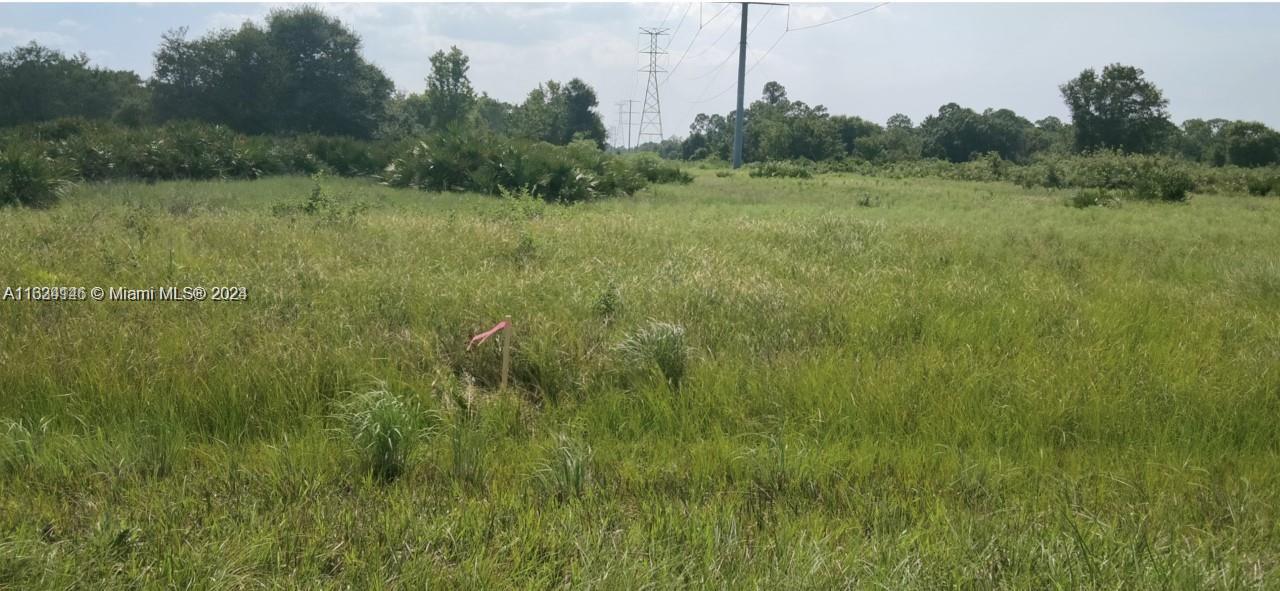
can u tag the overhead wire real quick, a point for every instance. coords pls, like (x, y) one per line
(678, 25)
(779, 40)
(728, 56)
(691, 42)
(835, 20)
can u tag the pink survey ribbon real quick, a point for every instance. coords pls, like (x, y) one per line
(484, 336)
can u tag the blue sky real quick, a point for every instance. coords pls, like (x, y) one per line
(1212, 60)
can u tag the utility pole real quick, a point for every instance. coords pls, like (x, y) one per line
(742, 78)
(651, 113)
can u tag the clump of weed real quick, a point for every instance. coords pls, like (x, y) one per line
(566, 473)
(19, 443)
(140, 220)
(384, 428)
(1092, 198)
(520, 204)
(661, 344)
(322, 205)
(525, 249)
(868, 200)
(609, 302)
(724, 174)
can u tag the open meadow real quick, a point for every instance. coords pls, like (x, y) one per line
(836, 382)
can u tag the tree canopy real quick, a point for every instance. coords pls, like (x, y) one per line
(38, 83)
(303, 72)
(1118, 110)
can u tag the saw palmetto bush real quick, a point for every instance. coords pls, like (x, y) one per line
(29, 178)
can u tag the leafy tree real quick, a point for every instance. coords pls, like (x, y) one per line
(328, 87)
(559, 113)
(958, 134)
(898, 121)
(580, 118)
(1201, 141)
(851, 129)
(449, 99)
(303, 72)
(1249, 143)
(1119, 110)
(1051, 135)
(896, 144)
(38, 84)
(774, 93)
(494, 114)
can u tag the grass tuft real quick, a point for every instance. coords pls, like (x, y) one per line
(384, 429)
(660, 344)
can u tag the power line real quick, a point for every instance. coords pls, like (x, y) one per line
(779, 40)
(670, 7)
(728, 56)
(678, 25)
(717, 41)
(690, 46)
(836, 20)
(749, 70)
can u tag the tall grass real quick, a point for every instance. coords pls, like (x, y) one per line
(384, 430)
(969, 385)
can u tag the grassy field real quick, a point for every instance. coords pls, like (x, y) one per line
(889, 384)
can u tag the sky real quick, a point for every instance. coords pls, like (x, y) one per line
(1211, 60)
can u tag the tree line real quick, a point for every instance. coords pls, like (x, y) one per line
(301, 71)
(1117, 109)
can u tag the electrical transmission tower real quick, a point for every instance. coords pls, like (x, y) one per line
(651, 113)
(618, 141)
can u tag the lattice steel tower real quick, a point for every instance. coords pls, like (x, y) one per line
(651, 114)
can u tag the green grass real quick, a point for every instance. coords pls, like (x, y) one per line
(888, 384)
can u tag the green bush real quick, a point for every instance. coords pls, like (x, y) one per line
(1263, 185)
(1092, 198)
(492, 165)
(1161, 179)
(779, 169)
(30, 178)
(656, 170)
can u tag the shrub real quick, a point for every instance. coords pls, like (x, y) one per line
(31, 179)
(1263, 185)
(487, 164)
(1092, 198)
(780, 169)
(609, 302)
(384, 429)
(1161, 179)
(656, 170)
(661, 344)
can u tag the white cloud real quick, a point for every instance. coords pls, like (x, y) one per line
(11, 37)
